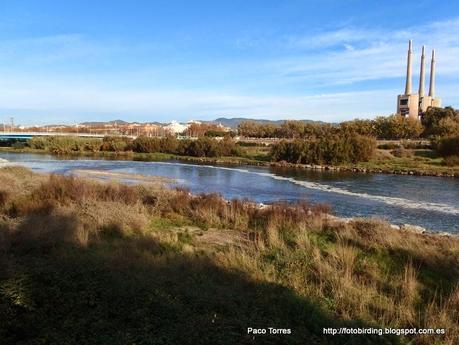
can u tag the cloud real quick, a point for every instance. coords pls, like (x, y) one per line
(350, 55)
(332, 38)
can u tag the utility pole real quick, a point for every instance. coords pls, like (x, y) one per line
(12, 124)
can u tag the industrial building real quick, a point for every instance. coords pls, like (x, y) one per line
(412, 104)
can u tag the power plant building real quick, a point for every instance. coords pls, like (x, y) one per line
(412, 104)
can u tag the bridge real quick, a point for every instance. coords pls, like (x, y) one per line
(29, 135)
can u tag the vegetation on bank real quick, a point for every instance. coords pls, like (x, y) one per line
(348, 145)
(414, 161)
(326, 150)
(202, 147)
(334, 149)
(448, 146)
(409, 161)
(84, 262)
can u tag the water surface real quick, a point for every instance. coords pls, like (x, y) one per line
(431, 202)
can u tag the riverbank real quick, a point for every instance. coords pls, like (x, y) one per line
(70, 247)
(383, 163)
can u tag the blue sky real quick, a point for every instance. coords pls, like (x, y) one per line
(73, 61)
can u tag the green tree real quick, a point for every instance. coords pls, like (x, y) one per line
(398, 127)
(441, 122)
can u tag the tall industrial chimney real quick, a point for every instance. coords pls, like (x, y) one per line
(432, 76)
(422, 74)
(408, 69)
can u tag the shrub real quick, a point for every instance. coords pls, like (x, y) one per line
(39, 143)
(63, 189)
(451, 161)
(64, 145)
(201, 147)
(397, 127)
(448, 146)
(327, 150)
(441, 122)
(169, 144)
(116, 144)
(92, 145)
(362, 127)
(146, 145)
(401, 152)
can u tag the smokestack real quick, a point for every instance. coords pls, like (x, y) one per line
(422, 74)
(408, 69)
(432, 76)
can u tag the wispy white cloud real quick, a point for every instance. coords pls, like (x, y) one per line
(332, 38)
(350, 55)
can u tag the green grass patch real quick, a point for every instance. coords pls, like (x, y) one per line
(175, 221)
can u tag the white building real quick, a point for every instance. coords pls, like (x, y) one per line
(175, 128)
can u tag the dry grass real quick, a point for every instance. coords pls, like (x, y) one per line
(361, 270)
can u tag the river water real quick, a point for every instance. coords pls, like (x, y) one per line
(430, 202)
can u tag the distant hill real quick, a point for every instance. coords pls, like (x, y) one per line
(235, 121)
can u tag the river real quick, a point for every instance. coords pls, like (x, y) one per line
(430, 202)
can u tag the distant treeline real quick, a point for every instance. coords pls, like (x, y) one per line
(437, 122)
(348, 142)
(202, 147)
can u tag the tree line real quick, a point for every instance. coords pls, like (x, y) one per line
(435, 123)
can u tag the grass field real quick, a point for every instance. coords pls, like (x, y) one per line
(84, 262)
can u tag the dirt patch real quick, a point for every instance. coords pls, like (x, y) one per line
(109, 175)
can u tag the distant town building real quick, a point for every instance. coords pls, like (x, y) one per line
(191, 128)
(175, 128)
(411, 104)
